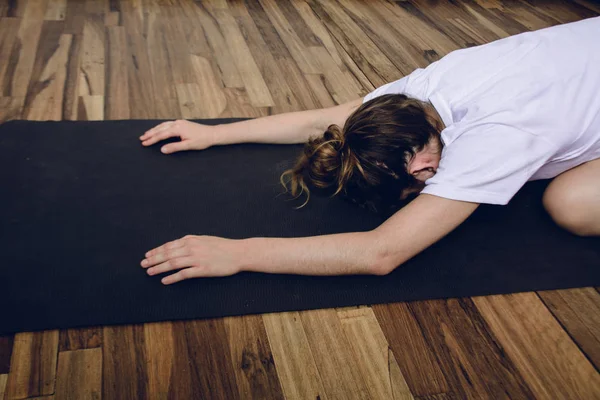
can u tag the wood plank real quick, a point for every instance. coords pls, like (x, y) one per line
(92, 57)
(117, 82)
(470, 358)
(369, 50)
(418, 362)
(339, 55)
(296, 367)
(541, 350)
(439, 396)
(255, 86)
(10, 108)
(229, 71)
(112, 19)
(33, 365)
(578, 311)
(333, 355)
(289, 11)
(527, 16)
(6, 346)
(79, 375)
(375, 77)
(252, 360)
(287, 65)
(90, 108)
(124, 370)
(485, 21)
(80, 338)
(283, 97)
(160, 351)
(562, 11)
(56, 10)
(239, 106)
(204, 99)
(590, 5)
(8, 35)
(165, 95)
(142, 103)
(400, 49)
(213, 375)
(178, 50)
(294, 45)
(23, 55)
(45, 94)
(3, 379)
(197, 42)
(372, 356)
(73, 71)
(318, 87)
(408, 25)
(96, 7)
(341, 85)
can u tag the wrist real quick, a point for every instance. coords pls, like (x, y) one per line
(217, 135)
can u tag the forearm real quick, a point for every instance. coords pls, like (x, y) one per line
(287, 128)
(339, 254)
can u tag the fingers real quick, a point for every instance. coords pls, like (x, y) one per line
(164, 253)
(170, 265)
(156, 129)
(167, 246)
(175, 147)
(178, 276)
(158, 136)
(159, 132)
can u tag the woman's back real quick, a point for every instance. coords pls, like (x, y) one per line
(521, 108)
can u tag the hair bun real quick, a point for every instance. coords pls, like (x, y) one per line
(334, 133)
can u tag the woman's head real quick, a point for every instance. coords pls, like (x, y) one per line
(368, 160)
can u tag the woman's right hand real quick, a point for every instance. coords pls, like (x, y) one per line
(193, 136)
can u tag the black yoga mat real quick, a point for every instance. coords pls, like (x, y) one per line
(81, 202)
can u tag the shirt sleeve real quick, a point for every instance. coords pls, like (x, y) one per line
(412, 85)
(489, 163)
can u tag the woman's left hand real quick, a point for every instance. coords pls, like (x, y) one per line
(194, 257)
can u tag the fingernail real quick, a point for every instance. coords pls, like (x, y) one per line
(144, 263)
(164, 149)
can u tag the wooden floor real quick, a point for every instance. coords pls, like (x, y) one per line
(111, 59)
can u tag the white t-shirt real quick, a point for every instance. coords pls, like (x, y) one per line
(522, 108)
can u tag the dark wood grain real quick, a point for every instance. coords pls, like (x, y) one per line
(578, 310)
(212, 372)
(117, 82)
(81, 338)
(124, 368)
(33, 365)
(417, 360)
(6, 345)
(470, 357)
(251, 357)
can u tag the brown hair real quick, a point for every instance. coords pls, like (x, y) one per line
(366, 161)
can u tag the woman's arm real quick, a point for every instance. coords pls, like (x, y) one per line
(288, 128)
(408, 232)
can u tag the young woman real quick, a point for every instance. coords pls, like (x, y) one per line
(471, 128)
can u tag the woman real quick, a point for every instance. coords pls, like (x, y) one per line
(471, 128)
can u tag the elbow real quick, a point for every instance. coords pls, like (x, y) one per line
(385, 258)
(382, 264)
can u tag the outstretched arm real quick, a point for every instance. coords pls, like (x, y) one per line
(417, 226)
(286, 128)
